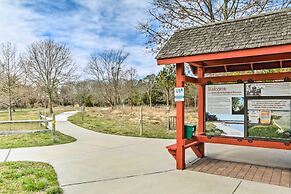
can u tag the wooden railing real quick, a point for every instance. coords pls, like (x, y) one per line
(171, 125)
(43, 121)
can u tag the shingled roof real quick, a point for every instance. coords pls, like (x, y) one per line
(263, 30)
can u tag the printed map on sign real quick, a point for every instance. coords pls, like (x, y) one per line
(269, 118)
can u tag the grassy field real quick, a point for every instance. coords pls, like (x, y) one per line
(126, 121)
(28, 177)
(27, 114)
(33, 140)
(32, 113)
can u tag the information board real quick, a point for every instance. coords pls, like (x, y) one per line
(225, 110)
(269, 118)
(269, 89)
(259, 110)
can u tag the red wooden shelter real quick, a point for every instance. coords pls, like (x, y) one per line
(255, 43)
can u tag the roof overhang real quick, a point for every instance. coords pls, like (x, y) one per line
(239, 60)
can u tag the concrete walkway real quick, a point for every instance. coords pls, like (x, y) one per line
(100, 163)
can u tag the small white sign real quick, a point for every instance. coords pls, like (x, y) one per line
(179, 94)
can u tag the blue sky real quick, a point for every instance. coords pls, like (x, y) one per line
(84, 25)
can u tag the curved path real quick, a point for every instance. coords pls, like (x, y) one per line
(100, 163)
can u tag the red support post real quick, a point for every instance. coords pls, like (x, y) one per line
(180, 153)
(201, 111)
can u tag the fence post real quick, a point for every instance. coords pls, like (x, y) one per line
(140, 122)
(40, 118)
(54, 126)
(169, 122)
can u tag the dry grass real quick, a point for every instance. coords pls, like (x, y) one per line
(126, 121)
(156, 115)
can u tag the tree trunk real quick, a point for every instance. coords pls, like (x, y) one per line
(150, 98)
(195, 100)
(10, 101)
(168, 100)
(50, 104)
(10, 112)
(225, 10)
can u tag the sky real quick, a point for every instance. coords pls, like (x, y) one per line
(86, 26)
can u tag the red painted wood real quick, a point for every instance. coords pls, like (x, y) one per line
(247, 60)
(180, 153)
(254, 77)
(201, 115)
(228, 55)
(243, 142)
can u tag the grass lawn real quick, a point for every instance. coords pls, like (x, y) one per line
(28, 177)
(33, 140)
(126, 122)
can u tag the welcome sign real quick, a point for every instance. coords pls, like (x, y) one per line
(260, 110)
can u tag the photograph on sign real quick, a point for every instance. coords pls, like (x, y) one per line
(225, 110)
(269, 118)
(269, 89)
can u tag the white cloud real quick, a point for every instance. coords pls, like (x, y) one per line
(13, 26)
(86, 26)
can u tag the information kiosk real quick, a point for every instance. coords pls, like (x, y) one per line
(242, 71)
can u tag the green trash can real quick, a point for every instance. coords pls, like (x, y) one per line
(189, 130)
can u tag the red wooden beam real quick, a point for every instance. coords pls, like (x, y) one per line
(190, 79)
(180, 153)
(227, 55)
(254, 77)
(248, 60)
(248, 66)
(201, 111)
(244, 142)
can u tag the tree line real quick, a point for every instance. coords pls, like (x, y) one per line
(35, 75)
(113, 83)
(45, 75)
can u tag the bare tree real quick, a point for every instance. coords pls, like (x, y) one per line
(150, 83)
(130, 85)
(107, 68)
(10, 71)
(167, 16)
(48, 65)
